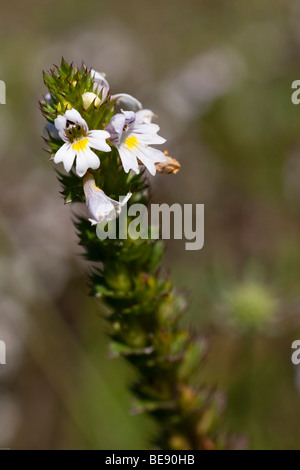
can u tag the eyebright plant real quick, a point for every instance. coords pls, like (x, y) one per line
(105, 143)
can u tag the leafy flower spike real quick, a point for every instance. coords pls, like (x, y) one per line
(73, 130)
(144, 322)
(132, 134)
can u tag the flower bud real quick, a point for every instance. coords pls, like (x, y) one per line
(88, 98)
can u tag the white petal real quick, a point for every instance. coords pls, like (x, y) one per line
(151, 139)
(111, 215)
(60, 154)
(148, 133)
(149, 156)
(157, 139)
(117, 205)
(97, 75)
(156, 155)
(125, 200)
(146, 128)
(60, 123)
(115, 127)
(100, 84)
(97, 140)
(144, 116)
(147, 161)
(81, 164)
(127, 102)
(74, 116)
(101, 207)
(92, 159)
(66, 155)
(129, 160)
(129, 117)
(93, 222)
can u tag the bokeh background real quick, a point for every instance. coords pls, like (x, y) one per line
(219, 76)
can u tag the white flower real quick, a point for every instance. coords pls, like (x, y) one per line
(100, 84)
(127, 102)
(101, 207)
(122, 100)
(73, 130)
(132, 134)
(144, 116)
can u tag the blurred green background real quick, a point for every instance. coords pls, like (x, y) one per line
(219, 76)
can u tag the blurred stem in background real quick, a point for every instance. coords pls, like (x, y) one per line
(144, 308)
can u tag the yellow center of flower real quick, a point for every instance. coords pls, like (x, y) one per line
(131, 142)
(80, 145)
